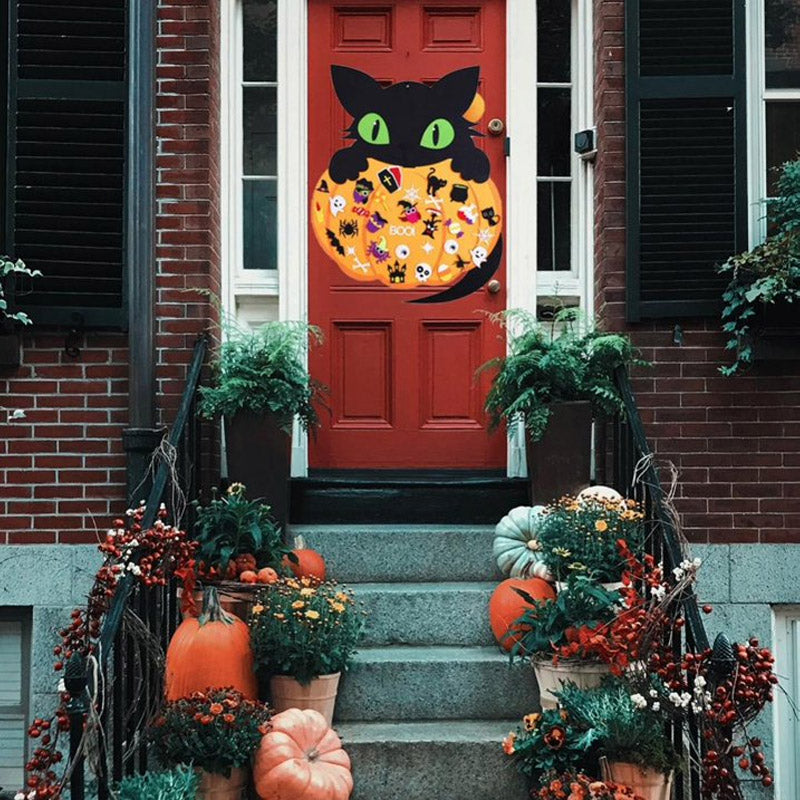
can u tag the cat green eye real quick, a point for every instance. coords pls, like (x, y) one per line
(438, 135)
(372, 128)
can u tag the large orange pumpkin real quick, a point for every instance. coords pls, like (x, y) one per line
(301, 758)
(308, 564)
(505, 606)
(210, 650)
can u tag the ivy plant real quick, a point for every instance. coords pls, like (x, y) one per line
(560, 362)
(11, 271)
(765, 275)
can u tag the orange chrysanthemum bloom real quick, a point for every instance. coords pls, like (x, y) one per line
(216, 708)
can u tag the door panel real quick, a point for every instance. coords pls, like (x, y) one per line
(404, 393)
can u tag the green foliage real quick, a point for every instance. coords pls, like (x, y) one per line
(215, 730)
(232, 525)
(546, 366)
(304, 629)
(768, 273)
(12, 271)
(178, 784)
(581, 536)
(264, 371)
(548, 742)
(619, 730)
(582, 603)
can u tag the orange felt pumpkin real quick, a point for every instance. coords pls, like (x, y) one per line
(506, 605)
(210, 650)
(301, 758)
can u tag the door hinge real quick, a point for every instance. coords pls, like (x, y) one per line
(507, 147)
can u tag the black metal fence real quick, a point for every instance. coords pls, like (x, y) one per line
(126, 685)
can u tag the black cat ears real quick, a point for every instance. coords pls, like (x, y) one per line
(355, 89)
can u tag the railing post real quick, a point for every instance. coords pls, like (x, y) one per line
(77, 707)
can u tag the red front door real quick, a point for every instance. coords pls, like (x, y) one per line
(403, 389)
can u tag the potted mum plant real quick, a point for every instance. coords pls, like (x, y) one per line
(556, 379)
(565, 638)
(239, 547)
(10, 273)
(760, 314)
(628, 732)
(217, 732)
(304, 635)
(261, 385)
(579, 535)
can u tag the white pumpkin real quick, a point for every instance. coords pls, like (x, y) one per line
(515, 546)
(600, 493)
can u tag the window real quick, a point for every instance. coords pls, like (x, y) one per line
(14, 671)
(564, 90)
(787, 724)
(252, 158)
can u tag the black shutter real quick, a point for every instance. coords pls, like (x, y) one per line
(65, 212)
(686, 161)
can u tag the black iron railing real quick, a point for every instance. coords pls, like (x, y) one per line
(625, 462)
(127, 680)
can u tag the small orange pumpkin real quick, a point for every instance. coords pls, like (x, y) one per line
(267, 575)
(301, 758)
(506, 606)
(210, 650)
(308, 564)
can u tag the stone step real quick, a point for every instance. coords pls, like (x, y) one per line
(436, 760)
(427, 613)
(394, 553)
(417, 683)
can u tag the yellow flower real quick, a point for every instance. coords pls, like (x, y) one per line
(342, 597)
(292, 584)
(531, 721)
(306, 592)
(258, 608)
(305, 581)
(236, 489)
(312, 614)
(601, 525)
(298, 604)
(562, 552)
(338, 607)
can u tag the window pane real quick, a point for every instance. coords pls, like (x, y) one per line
(260, 39)
(260, 212)
(782, 43)
(553, 231)
(553, 21)
(554, 132)
(783, 137)
(260, 131)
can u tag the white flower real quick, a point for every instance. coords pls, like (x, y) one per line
(675, 698)
(638, 701)
(654, 693)
(19, 796)
(133, 543)
(700, 682)
(162, 507)
(659, 592)
(656, 706)
(129, 513)
(696, 708)
(62, 686)
(678, 573)
(697, 562)
(686, 698)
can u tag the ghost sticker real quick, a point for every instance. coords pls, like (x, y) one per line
(413, 175)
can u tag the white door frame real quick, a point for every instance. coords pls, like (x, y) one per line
(520, 225)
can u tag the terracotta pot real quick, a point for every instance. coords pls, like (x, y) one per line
(218, 787)
(560, 462)
(320, 694)
(259, 454)
(550, 677)
(649, 783)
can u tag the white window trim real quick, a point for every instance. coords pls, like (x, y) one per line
(578, 281)
(520, 229)
(757, 97)
(786, 727)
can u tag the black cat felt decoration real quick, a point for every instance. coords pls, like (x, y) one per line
(417, 183)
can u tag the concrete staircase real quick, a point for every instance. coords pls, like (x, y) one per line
(425, 707)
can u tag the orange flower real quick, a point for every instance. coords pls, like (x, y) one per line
(601, 525)
(555, 738)
(231, 703)
(508, 744)
(531, 721)
(229, 718)
(206, 719)
(216, 708)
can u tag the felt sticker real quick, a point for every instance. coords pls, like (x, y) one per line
(410, 202)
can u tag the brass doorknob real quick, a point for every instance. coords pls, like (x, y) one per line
(496, 126)
(494, 286)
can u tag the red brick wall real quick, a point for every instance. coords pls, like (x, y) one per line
(736, 441)
(62, 468)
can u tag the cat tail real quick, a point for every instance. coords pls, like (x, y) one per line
(471, 282)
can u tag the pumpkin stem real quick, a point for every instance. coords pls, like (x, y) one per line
(299, 543)
(313, 754)
(212, 610)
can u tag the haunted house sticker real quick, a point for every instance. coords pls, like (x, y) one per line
(410, 204)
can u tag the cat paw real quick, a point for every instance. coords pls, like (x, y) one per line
(474, 166)
(346, 165)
